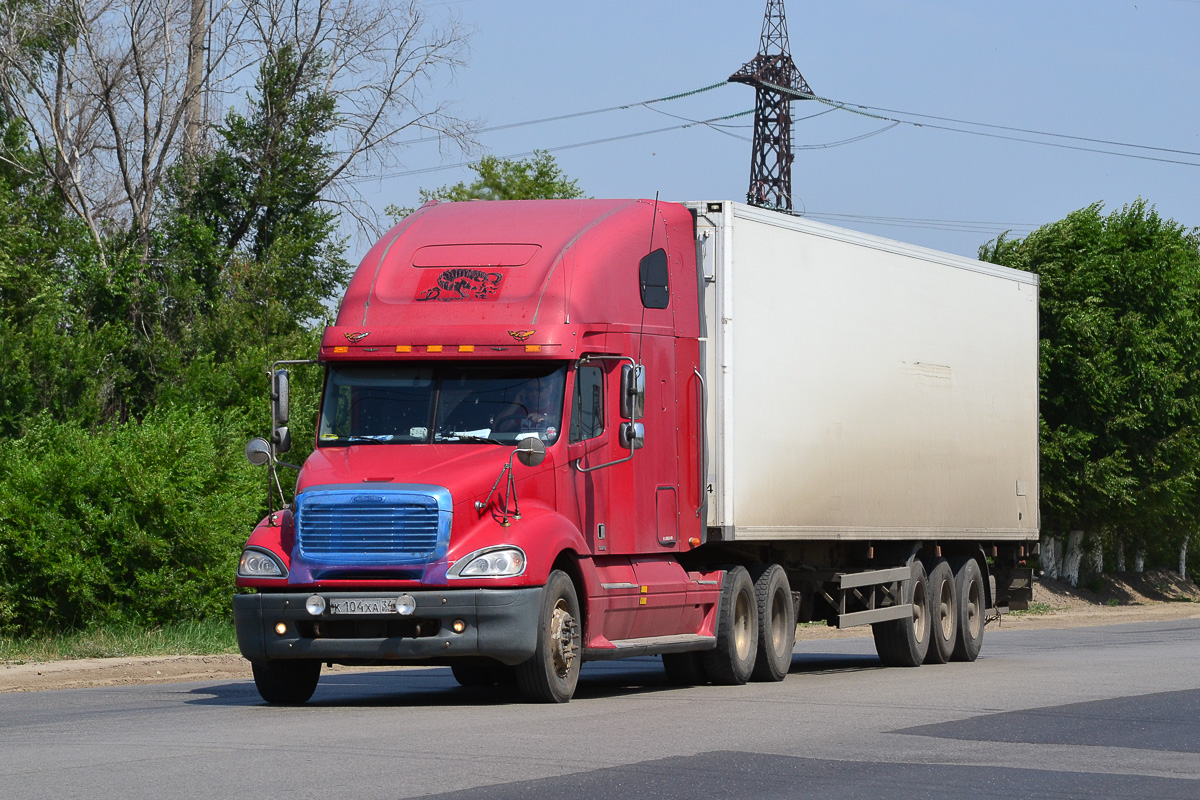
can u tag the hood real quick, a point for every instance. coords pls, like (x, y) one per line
(467, 470)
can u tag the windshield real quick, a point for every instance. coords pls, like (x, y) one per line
(424, 403)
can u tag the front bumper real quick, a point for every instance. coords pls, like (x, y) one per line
(499, 623)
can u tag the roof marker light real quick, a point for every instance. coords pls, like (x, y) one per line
(404, 348)
(466, 348)
(433, 348)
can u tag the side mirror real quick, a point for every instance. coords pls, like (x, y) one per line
(633, 391)
(280, 400)
(632, 435)
(282, 439)
(258, 451)
(653, 277)
(531, 451)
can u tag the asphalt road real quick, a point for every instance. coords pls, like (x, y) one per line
(1087, 712)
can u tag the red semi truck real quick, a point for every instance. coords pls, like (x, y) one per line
(569, 430)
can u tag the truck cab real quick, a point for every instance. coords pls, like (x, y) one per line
(508, 462)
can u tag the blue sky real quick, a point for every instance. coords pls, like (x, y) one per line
(1116, 71)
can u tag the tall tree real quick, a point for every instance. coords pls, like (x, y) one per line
(1119, 326)
(106, 87)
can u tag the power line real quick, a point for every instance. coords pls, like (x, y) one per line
(861, 111)
(953, 225)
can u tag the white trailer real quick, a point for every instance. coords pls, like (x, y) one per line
(872, 413)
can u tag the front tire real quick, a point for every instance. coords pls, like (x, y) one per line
(776, 623)
(904, 642)
(289, 683)
(552, 672)
(732, 662)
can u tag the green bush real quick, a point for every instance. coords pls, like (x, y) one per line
(135, 524)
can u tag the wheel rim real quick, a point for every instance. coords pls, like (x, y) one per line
(946, 610)
(563, 639)
(779, 633)
(741, 626)
(919, 610)
(974, 610)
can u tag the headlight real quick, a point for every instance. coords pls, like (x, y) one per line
(495, 562)
(258, 563)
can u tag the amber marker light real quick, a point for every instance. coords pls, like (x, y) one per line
(533, 348)
(281, 628)
(404, 348)
(458, 626)
(466, 348)
(341, 349)
(433, 348)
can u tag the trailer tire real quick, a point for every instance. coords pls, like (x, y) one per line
(904, 642)
(286, 682)
(968, 589)
(732, 662)
(684, 669)
(776, 623)
(552, 672)
(943, 613)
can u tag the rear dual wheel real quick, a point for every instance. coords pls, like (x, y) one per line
(971, 605)
(731, 663)
(776, 623)
(943, 613)
(905, 642)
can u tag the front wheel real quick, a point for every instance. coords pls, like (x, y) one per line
(286, 682)
(552, 672)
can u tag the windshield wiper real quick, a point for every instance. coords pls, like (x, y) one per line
(465, 437)
(360, 439)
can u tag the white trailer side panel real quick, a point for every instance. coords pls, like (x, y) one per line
(860, 388)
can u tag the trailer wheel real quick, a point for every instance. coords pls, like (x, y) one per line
(684, 669)
(776, 623)
(943, 618)
(968, 589)
(904, 642)
(732, 662)
(287, 682)
(552, 672)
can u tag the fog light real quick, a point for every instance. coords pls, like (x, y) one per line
(459, 626)
(405, 604)
(281, 628)
(315, 605)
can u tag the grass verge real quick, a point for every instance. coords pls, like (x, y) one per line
(194, 638)
(1034, 609)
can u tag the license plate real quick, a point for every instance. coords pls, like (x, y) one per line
(363, 605)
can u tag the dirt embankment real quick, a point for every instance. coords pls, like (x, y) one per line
(1111, 600)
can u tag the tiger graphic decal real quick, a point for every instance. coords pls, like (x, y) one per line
(463, 283)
